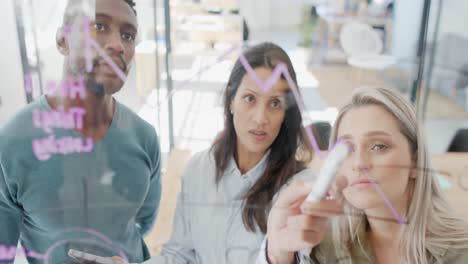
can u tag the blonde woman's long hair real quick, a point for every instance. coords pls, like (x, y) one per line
(432, 225)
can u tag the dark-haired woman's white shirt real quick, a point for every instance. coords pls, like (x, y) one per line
(208, 225)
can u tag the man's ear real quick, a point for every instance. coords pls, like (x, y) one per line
(61, 41)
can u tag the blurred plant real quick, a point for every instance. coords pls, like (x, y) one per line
(309, 21)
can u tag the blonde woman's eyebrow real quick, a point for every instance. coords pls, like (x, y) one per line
(368, 134)
(345, 137)
(377, 133)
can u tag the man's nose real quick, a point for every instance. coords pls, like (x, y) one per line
(114, 44)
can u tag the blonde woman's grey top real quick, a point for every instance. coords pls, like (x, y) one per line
(325, 253)
(208, 225)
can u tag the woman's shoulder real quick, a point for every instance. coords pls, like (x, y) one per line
(200, 165)
(200, 160)
(205, 155)
(455, 256)
(330, 251)
(325, 251)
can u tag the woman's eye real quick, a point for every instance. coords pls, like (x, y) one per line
(128, 36)
(249, 98)
(99, 26)
(276, 104)
(379, 147)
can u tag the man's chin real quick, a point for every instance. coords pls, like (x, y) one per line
(101, 88)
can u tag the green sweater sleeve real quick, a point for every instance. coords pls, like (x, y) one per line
(10, 211)
(147, 213)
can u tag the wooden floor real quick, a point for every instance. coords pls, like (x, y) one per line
(455, 166)
(170, 188)
(336, 84)
(441, 107)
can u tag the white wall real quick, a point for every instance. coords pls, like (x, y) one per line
(408, 19)
(406, 28)
(271, 14)
(453, 16)
(256, 13)
(11, 89)
(286, 14)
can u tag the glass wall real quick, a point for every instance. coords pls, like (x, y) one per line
(99, 123)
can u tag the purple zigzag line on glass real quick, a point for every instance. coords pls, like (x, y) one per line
(387, 202)
(198, 73)
(88, 54)
(106, 57)
(266, 86)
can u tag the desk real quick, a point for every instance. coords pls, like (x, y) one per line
(456, 164)
(336, 83)
(453, 163)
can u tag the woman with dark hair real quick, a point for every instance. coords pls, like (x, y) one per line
(254, 126)
(227, 190)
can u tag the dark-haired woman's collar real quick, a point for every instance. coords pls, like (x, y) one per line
(256, 171)
(237, 184)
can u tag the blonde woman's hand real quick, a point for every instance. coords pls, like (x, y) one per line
(294, 225)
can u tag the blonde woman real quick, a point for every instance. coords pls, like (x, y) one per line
(394, 209)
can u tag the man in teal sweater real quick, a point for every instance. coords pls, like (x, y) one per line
(78, 170)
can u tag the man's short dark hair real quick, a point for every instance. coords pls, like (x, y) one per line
(67, 18)
(132, 4)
